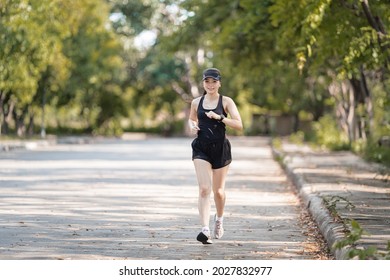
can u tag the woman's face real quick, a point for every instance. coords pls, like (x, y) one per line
(211, 85)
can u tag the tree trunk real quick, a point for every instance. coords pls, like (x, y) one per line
(191, 83)
(19, 122)
(5, 110)
(30, 126)
(2, 94)
(8, 113)
(344, 95)
(363, 97)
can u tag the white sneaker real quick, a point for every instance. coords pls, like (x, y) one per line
(218, 228)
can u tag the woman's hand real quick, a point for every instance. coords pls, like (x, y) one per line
(213, 115)
(194, 127)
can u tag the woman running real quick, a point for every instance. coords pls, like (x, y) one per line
(211, 150)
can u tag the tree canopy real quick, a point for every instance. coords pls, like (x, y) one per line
(83, 61)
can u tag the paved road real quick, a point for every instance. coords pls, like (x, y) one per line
(137, 199)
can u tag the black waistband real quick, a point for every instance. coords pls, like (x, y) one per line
(206, 140)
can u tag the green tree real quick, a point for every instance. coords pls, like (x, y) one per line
(159, 81)
(238, 37)
(30, 42)
(62, 55)
(97, 71)
(349, 40)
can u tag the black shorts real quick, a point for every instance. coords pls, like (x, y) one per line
(218, 153)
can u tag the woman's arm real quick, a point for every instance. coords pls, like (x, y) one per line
(193, 118)
(230, 107)
(234, 121)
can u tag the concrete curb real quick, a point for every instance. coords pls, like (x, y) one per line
(11, 145)
(331, 230)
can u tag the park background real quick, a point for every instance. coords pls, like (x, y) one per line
(313, 70)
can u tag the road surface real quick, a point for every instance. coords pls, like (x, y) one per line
(137, 199)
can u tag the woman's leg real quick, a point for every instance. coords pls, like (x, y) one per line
(204, 176)
(219, 179)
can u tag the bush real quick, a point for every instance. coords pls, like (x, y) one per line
(297, 138)
(355, 251)
(327, 134)
(376, 153)
(110, 127)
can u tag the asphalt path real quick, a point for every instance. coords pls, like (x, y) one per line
(137, 199)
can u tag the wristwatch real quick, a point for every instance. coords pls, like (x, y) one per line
(221, 117)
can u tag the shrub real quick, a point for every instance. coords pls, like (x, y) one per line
(327, 134)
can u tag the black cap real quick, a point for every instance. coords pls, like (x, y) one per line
(212, 73)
